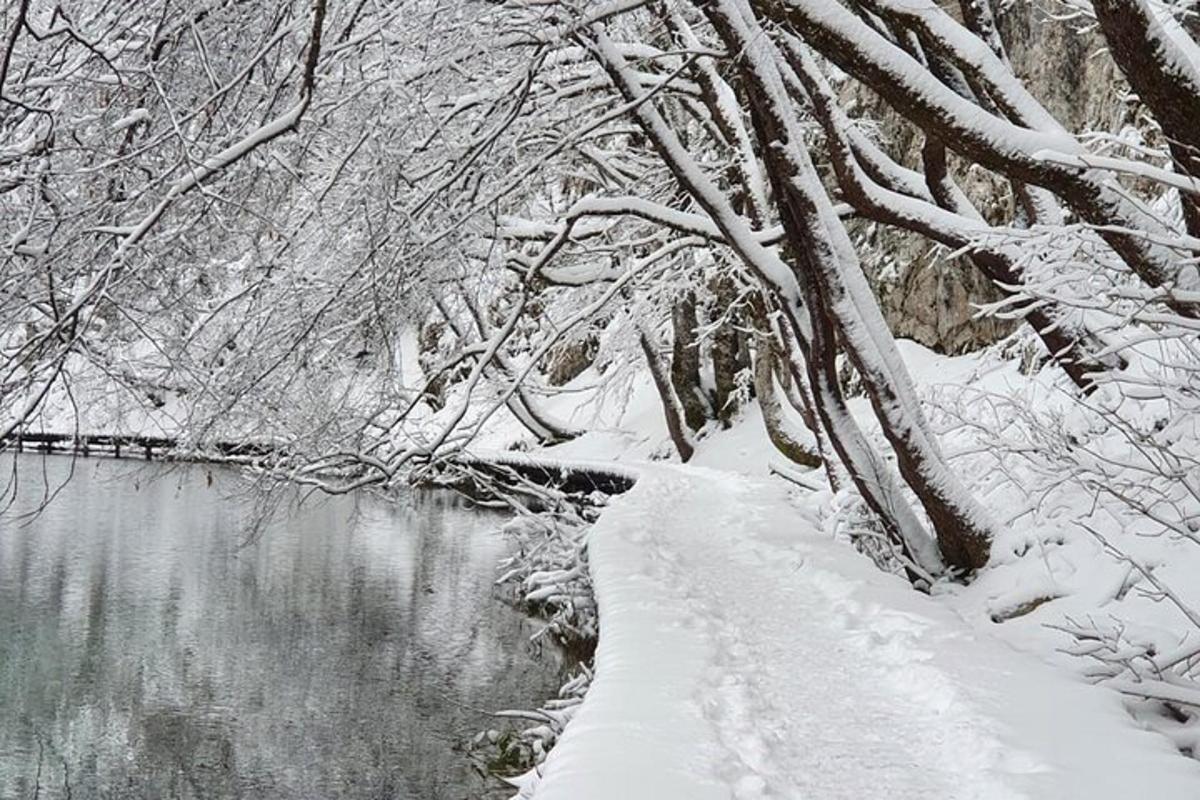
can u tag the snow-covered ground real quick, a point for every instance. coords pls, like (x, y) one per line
(744, 654)
(747, 650)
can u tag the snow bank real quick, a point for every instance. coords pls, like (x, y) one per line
(744, 654)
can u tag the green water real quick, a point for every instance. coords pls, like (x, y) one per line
(151, 646)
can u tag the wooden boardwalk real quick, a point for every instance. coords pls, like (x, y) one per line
(126, 446)
(573, 479)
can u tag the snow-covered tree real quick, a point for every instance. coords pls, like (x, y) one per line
(364, 232)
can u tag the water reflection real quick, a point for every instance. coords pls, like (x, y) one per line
(147, 651)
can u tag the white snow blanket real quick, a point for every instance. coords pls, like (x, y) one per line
(743, 654)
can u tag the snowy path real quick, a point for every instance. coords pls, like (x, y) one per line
(744, 655)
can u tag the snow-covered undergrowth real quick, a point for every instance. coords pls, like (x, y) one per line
(548, 576)
(549, 569)
(1099, 545)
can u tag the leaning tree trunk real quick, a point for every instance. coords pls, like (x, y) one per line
(879, 190)
(1157, 57)
(871, 474)
(681, 435)
(779, 428)
(832, 280)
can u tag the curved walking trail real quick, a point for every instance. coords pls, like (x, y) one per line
(743, 654)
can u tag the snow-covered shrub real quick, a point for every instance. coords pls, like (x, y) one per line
(1101, 535)
(516, 754)
(548, 574)
(548, 570)
(850, 520)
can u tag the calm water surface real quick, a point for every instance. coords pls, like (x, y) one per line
(148, 650)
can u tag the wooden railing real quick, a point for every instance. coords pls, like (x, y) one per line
(124, 446)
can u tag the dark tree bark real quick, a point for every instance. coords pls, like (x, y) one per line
(685, 362)
(726, 346)
(1150, 64)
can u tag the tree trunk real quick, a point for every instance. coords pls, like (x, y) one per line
(834, 286)
(1147, 47)
(726, 351)
(672, 409)
(685, 363)
(779, 428)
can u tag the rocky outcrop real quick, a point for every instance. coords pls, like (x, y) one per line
(934, 299)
